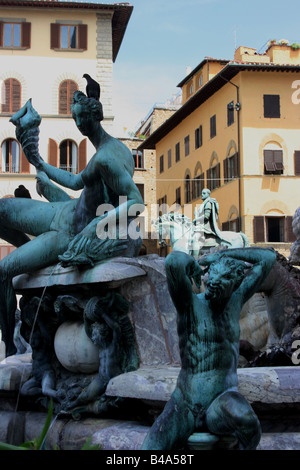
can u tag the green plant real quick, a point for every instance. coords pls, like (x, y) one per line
(39, 442)
(283, 42)
(295, 46)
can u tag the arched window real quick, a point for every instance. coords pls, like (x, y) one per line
(67, 89)
(58, 156)
(231, 164)
(68, 156)
(10, 150)
(233, 222)
(213, 173)
(10, 96)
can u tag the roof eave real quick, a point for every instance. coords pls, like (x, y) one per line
(205, 92)
(121, 14)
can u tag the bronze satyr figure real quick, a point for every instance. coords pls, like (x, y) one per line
(206, 397)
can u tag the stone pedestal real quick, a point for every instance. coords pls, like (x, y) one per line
(141, 281)
(273, 392)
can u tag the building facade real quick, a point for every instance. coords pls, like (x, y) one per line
(237, 133)
(45, 48)
(145, 165)
(145, 179)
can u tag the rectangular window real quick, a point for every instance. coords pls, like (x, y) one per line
(273, 162)
(161, 163)
(273, 229)
(198, 137)
(213, 126)
(15, 35)
(178, 196)
(12, 35)
(68, 37)
(177, 152)
(230, 113)
(187, 145)
(141, 190)
(138, 158)
(169, 158)
(271, 106)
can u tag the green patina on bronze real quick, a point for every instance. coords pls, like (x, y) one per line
(206, 396)
(64, 229)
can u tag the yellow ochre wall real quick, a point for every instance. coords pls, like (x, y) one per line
(259, 194)
(263, 194)
(212, 151)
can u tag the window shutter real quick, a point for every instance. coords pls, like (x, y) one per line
(201, 184)
(72, 88)
(290, 236)
(1, 34)
(26, 35)
(297, 162)
(82, 36)
(25, 165)
(218, 175)
(269, 160)
(259, 229)
(278, 159)
(213, 126)
(16, 96)
(225, 170)
(271, 106)
(66, 91)
(54, 36)
(11, 96)
(6, 96)
(63, 98)
(82, 155)
(52, 152)
(225, 226)
(208, 178)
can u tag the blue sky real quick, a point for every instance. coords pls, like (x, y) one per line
(164, 37)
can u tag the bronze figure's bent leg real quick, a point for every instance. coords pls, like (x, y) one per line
(20, 215)
(173, 426)
(230, 413)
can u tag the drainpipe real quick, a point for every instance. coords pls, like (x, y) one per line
(238, 108)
